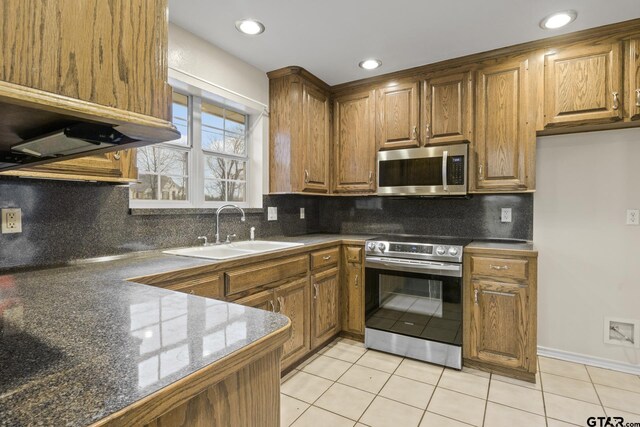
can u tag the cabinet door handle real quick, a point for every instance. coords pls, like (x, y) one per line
(427, 133)
(273, 307)
(616, 101)
(480, 175)
(326, 257)
(637, 97)
(315, 291)
(280, 304)
(414, 132)
(475, 296)
(356, 280)
(306, 176)
(116, 155)
(499, 267)
(370, 177)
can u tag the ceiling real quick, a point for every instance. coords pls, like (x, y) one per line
(330, 37)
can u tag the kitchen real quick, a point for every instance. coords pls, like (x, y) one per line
(508, 244)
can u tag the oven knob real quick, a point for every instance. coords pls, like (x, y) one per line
(453, 251)
(382, 247)
(440, 250)
(371, 246)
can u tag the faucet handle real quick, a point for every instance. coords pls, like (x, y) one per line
(206, 242)
(230, 236)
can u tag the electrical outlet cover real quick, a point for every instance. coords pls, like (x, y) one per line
(272, 213)
(633, 217)
(505, 215)
(11, 220)
(301, 213)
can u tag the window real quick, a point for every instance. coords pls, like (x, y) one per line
(205, 167)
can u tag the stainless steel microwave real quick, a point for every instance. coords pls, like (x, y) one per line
(426, 171)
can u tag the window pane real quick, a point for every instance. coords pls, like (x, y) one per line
(235, 122)
(212, 139)
(173, 188)
(236, 191)
(163, 161)
(214, 167)
(234, 143)
(212, 116)
(146, 189)
(235, 169)
(214, 190)
(180, 117)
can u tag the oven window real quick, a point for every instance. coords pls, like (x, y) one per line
(416, 305)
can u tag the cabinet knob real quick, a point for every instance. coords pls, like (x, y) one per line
(637, 97)
(616, 101)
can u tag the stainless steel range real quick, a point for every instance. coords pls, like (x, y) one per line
(413, 293)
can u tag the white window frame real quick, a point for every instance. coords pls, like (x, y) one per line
(196, 158)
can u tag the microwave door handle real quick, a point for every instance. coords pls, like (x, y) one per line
(445, 186)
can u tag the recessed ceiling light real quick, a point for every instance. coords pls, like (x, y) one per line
(558, 19)
(250, 27)
(370, 64)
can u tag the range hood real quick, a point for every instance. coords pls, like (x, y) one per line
(82, 138)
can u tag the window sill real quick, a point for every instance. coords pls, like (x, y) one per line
(190, 211)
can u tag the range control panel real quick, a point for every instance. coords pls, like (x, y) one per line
(427, 251)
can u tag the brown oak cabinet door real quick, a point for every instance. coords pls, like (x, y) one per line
(292, 300)
(397, 116)
(262, 300)
(316, 140)
(499, 320)
(503, 139)
(446, 109)
(325, 306)
(583, 84)
(354, 138)
(633, 79)
(353, 296)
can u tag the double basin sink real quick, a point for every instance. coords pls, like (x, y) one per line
(232, 250)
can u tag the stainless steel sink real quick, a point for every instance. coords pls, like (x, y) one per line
(232, 250)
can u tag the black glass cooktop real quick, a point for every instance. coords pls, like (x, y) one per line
(416, 238)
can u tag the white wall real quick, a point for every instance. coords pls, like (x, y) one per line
(589, 260)
(204, 67)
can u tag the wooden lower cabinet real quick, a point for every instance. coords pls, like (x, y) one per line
(262, 300)
(353, 291)
(325, 305)
(293, 301)
(500, 312)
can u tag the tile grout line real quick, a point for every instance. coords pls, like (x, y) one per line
(435, 387)
(595, 389)
(544, 401)
(486, 400)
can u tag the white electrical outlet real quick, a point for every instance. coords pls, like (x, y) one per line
(633, 217)
(301, 213)
(505, 215)
(272, 213)
(11, 220)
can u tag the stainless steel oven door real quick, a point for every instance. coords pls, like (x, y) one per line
(425, 171)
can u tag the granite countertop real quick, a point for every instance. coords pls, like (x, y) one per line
(80, 342)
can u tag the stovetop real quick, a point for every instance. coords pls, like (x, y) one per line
(416, 238)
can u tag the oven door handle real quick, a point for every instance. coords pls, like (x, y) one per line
(443, 269)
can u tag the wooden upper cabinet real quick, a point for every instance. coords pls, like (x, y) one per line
(633, 79)
(503, 140)
(446, 108)
(583, 84)
(397, 116)
(316, 139)
(354, 143)
(299, 132)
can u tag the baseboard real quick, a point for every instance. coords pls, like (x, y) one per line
(589, 360)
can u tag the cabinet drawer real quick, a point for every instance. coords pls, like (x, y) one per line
(354, 254)
(204, 287)
(263, 273)
(324, 258)
(500, 267)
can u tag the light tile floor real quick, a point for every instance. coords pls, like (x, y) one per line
(348, 385)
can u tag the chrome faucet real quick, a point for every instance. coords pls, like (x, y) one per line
(220, 209)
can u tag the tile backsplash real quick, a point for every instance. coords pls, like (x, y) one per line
(63, 221)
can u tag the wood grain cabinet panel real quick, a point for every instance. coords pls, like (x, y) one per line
(292, 301)
(353, 291)
(583, 84)
(354, 139)
(503, 138)
(446, 108)
(633, 79)
(316, 136)
(397, 116)
(499, 324)
(325, 258)
(325, 306)
(517, 269)
(263, 300)
(265, 273)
